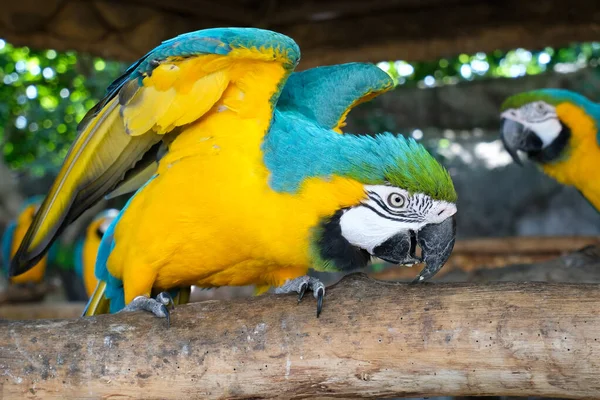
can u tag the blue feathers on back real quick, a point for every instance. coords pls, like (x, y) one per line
(297, 148)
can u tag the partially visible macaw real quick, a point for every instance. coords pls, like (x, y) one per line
(250, 179)
(11, 239)
(86, 248)
(559, 130)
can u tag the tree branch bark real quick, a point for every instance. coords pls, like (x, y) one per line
(373, 339)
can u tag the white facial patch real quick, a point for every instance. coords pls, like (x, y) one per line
(539, 117)
(387, 211)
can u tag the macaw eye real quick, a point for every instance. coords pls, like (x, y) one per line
(396, 200)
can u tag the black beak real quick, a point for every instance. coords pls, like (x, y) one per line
(515, 136)
(436, 242)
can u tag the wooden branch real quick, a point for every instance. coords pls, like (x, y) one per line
(373, 339)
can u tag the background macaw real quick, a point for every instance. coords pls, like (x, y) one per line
(11, 239)
(86, 248)
(250, 180)
(557, 129)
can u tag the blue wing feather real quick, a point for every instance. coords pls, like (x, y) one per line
(78, 254)
(324, 94)
(114, 286)
(7, 240)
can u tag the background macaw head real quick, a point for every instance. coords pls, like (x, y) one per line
(86, 249)
(414, 205)
(101, 222)
(14, 234)
(29, 208)
(547, 123)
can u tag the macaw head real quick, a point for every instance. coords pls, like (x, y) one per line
(547, 124)
(99, 225)
(28, 210)
(401, 197)
(411, 203)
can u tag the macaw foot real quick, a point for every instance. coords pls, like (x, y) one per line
(156, 306)
(300, 285)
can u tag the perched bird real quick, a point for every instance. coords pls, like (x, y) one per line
(558, 130)
(86, 248)
(11, 239)
(248, 179)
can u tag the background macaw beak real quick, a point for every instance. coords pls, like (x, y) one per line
(515, 136)
(436, 242)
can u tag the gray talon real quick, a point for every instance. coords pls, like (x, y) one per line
(157, 306)
(300, 285)
(166, 299)
(303, 288)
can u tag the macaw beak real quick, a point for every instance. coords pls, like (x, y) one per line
(516, 136)
(436, 242)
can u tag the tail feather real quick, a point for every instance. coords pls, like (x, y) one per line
(98, 303)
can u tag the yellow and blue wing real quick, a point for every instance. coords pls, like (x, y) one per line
(172, 86)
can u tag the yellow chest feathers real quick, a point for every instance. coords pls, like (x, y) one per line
(580, 166)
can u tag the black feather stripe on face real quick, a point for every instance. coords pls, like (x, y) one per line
(555, 150)
(335, 249)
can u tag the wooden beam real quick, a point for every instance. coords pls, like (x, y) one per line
(436, 32)
(327, 32)
(41, 311)
(470, 255)
(524, 245)
(25, 293)
(373, 339)
(581, 266)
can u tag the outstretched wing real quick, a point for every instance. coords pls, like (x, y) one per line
(327, 94)
(173, 85)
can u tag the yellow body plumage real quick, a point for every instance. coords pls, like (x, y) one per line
(580, 167)
(179, 229)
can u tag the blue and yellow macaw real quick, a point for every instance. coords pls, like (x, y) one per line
(559, 130)
(86, 248)
(250, 180)
(11, 239)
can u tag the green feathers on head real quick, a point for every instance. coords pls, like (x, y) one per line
(550, 96)
(421, 173)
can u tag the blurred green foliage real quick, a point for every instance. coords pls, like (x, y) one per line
(46, 93)
(497, 64)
